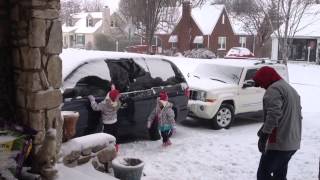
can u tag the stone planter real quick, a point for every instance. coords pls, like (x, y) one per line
(70, 119)
(127, 168)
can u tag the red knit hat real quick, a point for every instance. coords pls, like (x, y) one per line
(266, 76)
(113, 94)
(163, 96)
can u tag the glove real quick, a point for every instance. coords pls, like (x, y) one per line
(149, 124)
(91, 98)
(262, 141)
(174, 130)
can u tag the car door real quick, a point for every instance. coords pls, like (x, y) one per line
(250, 98)
(90, 78)
(132, 78)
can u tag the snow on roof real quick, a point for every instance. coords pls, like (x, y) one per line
(72, 58)
(90, 29)
(206, 17)
(80, 25)
(240, 27)
(68, 29)
(309, 26)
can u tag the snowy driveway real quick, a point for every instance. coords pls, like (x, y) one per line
(199, 153)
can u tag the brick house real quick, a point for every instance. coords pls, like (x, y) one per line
(207, 26)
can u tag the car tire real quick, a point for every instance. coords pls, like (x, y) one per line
(224, 117)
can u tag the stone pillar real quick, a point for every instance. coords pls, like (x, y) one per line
(37, 42)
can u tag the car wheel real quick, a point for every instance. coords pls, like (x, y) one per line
(224, 117)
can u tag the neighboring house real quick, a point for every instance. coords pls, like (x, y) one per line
(244, 35)
(306, 39)
(80, 28)
(208, 27)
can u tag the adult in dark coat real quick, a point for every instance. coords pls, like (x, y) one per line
(280, 135)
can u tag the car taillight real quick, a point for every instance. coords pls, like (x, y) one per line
(187, 92)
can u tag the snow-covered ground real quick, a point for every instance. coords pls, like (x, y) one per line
(199, 153)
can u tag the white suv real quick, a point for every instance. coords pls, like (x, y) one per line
(223, 88)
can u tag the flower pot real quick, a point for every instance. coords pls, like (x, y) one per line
(70, 119)
(127, 168)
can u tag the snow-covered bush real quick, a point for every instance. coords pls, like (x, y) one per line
(201, 53)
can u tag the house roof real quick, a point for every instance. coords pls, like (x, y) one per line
(87, 30)
(309, 26)
(80, 25)
(206, 17)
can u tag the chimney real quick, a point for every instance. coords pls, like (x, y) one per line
(186, 9)
(106, 20)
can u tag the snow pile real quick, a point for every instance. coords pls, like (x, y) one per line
(84, 142)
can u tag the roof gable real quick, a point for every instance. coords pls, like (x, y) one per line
(206, 17)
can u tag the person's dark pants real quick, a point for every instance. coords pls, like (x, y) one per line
(111, 129)
(274, 165)
(166, 135)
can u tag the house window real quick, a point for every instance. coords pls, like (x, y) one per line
(69, 22)
(173, 45)
(89, 22)
(222, 43)
(223, 19)
(243, 41)
(65, 41)
(80, 39)
(112, 24)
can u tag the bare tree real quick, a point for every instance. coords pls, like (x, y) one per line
(69, 7)
(93, 5)
(147, 14)
(286, 18)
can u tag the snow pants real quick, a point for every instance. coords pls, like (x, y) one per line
(166, 135)
(111, 129)
(274, 165)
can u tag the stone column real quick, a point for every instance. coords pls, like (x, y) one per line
(37, 42)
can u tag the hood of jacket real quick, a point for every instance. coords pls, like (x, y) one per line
(266, 76)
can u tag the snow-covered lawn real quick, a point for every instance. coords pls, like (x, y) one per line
(199, 153)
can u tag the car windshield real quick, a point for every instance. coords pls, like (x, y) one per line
(222, 73)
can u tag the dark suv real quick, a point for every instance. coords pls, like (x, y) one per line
(139, 79)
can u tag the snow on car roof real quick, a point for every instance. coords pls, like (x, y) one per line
(72, 58)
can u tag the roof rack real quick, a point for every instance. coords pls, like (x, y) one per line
(266, 61)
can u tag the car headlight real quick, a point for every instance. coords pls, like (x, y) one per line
(201, 95)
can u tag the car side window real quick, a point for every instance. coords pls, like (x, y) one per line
(160, 69)
(89, 78)
(250, 74)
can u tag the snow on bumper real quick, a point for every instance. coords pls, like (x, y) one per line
(205, 110)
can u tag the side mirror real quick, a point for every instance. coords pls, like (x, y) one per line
(248, 83)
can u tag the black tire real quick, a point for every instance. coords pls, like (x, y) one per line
(224, 117)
